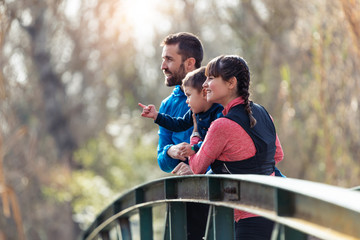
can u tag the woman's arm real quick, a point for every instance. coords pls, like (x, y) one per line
(279, 154)
(211, 148)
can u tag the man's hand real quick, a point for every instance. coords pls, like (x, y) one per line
(176, 151)
(186, 150)
(182, 169)
(148, 111)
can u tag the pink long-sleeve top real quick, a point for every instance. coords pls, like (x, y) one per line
(227, 141)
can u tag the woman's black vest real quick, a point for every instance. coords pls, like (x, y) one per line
(263, 135)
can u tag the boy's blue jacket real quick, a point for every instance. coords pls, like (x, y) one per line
(178, 124)
(175, 106)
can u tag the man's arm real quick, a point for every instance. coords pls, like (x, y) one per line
(174, 106)
(166, 163)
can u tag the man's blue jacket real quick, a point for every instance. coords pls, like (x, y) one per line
(175, 106)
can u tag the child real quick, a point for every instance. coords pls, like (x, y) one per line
(204, 112)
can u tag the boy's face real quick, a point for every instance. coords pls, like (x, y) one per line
(195, 100)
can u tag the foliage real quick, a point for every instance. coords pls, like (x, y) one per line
(106, 171)
(73, 72)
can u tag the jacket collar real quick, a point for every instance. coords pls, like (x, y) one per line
(204, 115)
(236, 101)
(178, 92)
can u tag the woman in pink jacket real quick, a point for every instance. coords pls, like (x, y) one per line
(244, 141)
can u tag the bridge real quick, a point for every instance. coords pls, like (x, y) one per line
(300, 209)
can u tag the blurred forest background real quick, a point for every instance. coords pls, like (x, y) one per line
(72, 73)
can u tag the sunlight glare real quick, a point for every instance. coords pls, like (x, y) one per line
(72, 8)
(143, 16)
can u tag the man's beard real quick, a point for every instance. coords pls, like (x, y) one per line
(176, 77)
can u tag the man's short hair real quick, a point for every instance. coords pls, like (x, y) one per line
(189, 46)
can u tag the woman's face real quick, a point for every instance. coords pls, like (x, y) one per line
(217, 90)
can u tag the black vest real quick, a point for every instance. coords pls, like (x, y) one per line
(263, 135)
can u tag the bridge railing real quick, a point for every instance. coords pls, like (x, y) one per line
(299, 208)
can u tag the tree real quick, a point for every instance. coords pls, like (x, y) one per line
(73, 72)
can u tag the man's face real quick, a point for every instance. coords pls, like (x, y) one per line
(172, 65)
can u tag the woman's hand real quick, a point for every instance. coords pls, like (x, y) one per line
(176, 151)
(186, 150)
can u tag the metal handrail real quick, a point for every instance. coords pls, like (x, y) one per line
(298, 207)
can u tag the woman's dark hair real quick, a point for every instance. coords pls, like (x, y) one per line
(228, 66)
(195, 79)
(189, 46)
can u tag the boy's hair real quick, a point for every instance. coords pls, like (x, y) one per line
(189, 46)
(195, 79)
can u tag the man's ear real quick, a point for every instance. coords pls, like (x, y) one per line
(190, 64)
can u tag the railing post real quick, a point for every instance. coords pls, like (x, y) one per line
(125, 228)
(285, 206)
(146, 224)
(105, 235)
(284, 202)
(145, 216)
(293, 234)
(176, 221)
(223, 223)
(282, 232)
(209, 232)
(167, 223)
(215, 190)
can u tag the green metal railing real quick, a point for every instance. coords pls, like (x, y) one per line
(299, 208)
